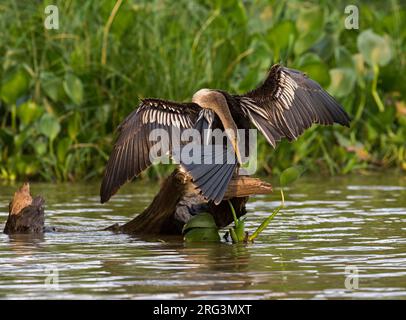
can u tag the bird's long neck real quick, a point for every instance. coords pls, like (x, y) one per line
(227, 120)
(215, 101)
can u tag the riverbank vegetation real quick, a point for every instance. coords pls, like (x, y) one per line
(63, 92)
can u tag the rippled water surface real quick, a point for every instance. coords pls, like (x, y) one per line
(332, 228)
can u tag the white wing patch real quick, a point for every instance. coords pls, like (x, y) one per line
(164, 115)
(250, 104)
(285, 90)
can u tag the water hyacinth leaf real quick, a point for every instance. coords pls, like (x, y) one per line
(375, 49)
(40, 147)
(309, 25)
(49, 126)
(103, 113)
(278, 35)
(51, 85)
(290, 175)
(28, 112)
(74, 88)
(203, 220)
(19, 139)
(202, 235)
(310, 19)
(342, 81)
(343, 57)
(304, 43)
(317, 71)
(14, 85)
(307, 58)
(325, 46)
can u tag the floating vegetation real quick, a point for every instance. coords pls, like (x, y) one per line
(202, 227)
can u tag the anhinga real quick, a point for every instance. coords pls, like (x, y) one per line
(284, 105)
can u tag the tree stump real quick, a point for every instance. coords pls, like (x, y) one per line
(26, 215)
(178, 200)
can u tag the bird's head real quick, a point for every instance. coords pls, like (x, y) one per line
(216, 102)
(210, 99)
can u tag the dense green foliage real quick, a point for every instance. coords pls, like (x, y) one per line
(63, 92)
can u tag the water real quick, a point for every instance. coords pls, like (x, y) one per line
(332, 228)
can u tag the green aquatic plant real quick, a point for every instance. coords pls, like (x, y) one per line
(89, 74)
(203, 228)
(238, 233)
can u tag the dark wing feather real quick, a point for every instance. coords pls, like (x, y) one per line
(216, 165)
(287, 103)
(213, 173)
(131, 152)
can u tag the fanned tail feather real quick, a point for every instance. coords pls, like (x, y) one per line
(213, 174)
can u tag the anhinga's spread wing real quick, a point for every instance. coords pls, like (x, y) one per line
(131, 152)
(287, 103)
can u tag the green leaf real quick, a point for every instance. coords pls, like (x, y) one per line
(240, 230)
(14, 85)
(343, 58)
(318, 72)
(40, 147)
(309, 25)
(74, 125)
(51, 85)
(103, 114)
(63, 148)
(308, 58)
(28, 112)
(309, 20)
(324, 47)
(49, 126)
(202, 220)
(342, 81)
(278, 36)
(73, 88)
(290, 175)
(202, 235)
(20, 139)
(304, 43)
(264, 224)
(233, 235)
(374, 48)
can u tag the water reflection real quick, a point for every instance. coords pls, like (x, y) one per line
(328, 225)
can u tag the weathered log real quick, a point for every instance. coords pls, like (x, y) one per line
(154, 218)
(178, 200)
(245, 186)
(29, 220)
